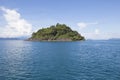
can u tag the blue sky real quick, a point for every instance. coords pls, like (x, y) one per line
(94, 19)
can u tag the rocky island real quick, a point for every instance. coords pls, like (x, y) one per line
(58, 32)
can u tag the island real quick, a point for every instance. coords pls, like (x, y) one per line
(58, 32)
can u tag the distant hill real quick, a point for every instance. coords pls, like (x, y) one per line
(58, 32)
(9, 39)
(115, 39)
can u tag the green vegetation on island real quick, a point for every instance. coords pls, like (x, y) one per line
(58, 32)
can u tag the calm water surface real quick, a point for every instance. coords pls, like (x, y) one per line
(87, 60)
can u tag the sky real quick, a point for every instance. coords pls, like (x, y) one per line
(94, 19)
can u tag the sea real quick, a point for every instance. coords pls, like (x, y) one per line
(77, 60)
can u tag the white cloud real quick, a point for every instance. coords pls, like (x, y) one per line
(97, 31)
(96, 34)
(84, 24)
(16, 26)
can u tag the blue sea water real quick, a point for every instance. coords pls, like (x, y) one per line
(85, 60)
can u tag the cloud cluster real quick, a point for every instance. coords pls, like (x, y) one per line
(84, 24)
(97, 31)
(98, 35)
(16, 26)
(90, 35)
